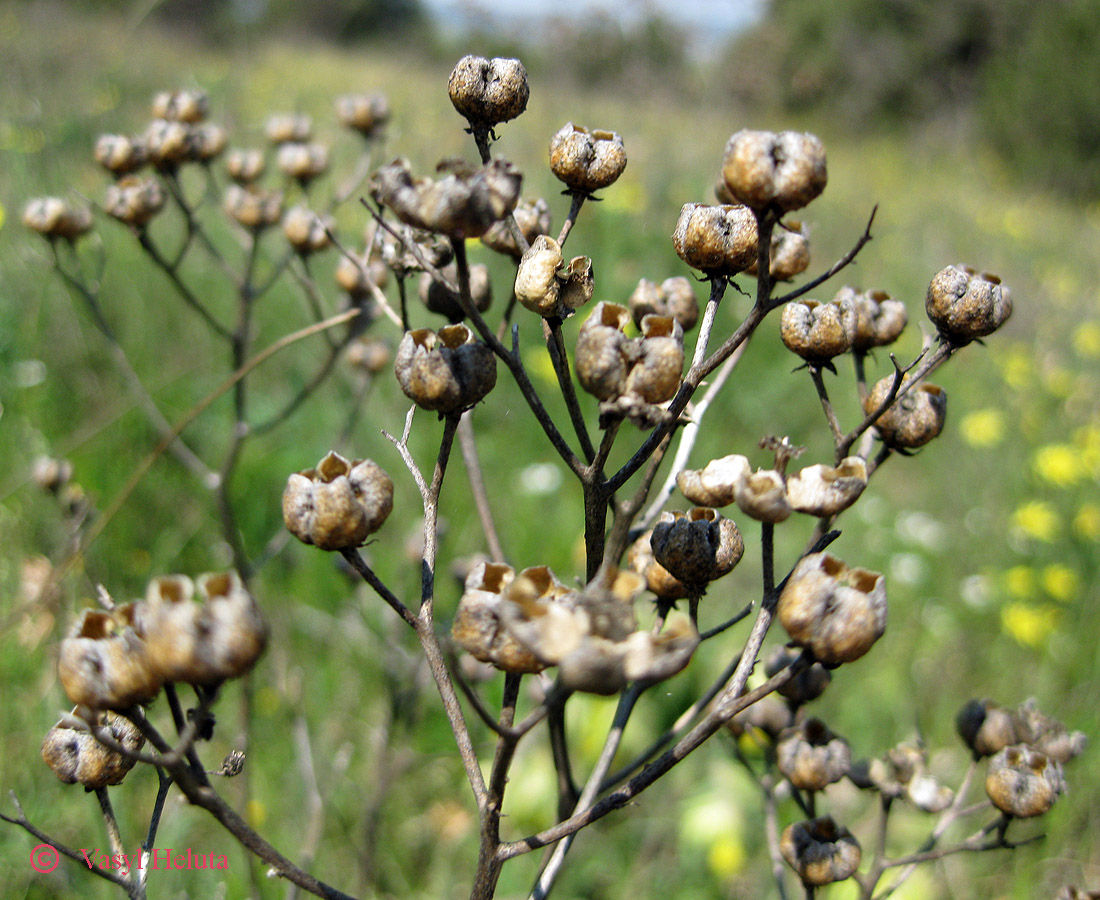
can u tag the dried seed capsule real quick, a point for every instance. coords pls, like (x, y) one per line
(539, 612)
(783, 171)
(820, 851)
(1023, 782)
(356, 276)
(369, 354)
(913, 420)
(655, 375)
(245, 166)
(790, 251)
(769, 714)
(167, 143)
(807, 685)
(119, 154)
(104, 663)
(672, 297)
(763, 496)
(586, 161)
(964, 305)
(53, 217)
(880, 319)
(76, 757)
(438, 298)
(478, 627)
(537, 286)
(718, 240)
(818, 331)
(398, 256)
(338, 504)
(190, 106)
(487, 92)
(533, 219)
(464, 203)
(835, 611)
(811, 756)
(306, 231)
(253, 207)
(602, 354)
(206, 142)
(445, 371)
(302, 162)
(717, 482)
(288, 128)
(658, 579)
(827, 490)
(1047, 735)
(985, 727)
(134, 200)
(365, 113)
(698, 546)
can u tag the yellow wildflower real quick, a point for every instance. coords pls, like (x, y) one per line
(1037, 519)
(1029, 625)
(1020, 581)
(1086, 524)
(1086, 340)
(983, 427)
(1017, 368)
(725, 857)
(1059, 464)
(1061, 582)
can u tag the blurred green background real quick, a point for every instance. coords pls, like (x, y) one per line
(971, 125)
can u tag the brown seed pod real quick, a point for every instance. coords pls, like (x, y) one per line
(76, 757)
(253, 207)
(478, 627)
(306, 231)
(769, 714)
(790, 251)
(533, 219)
(783, 171)
(964, 305)
(811, 756)
(835, 611)
(487, 92)
(287, 128)
(438, 298)
(119, 154)
(698, 546)
(602, 353)
(763, 496)
(985, 727)
(880, 319)
(807, 685)
(190, 106)
(206, 142)
(718, 240)
(53, 217)
(104, 662)
(167, 143)
(658, 579)
(365, 113)
(820, 851)
(134, 200)
(913, 420)
(584, 160)
(355, 276)
(245, 166)
(445, 371)
(672, 297)
(655, 376)
(398, 256)
(301, 161)
(1047, 735)
(827, 490)
(716, 483)
(1024, 782)
(338, 504)
(818, 331)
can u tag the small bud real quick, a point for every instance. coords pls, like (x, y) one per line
(763, 496)
(880, 319)
(306, 231)
(783, 171)
(445, 371)
(586, 161)
(487, 92)
(478, 627)
(76, 757)
(365, 113)
(134, 200)
(698, 546)
(104, 663)
(53, 217)
(233, 764)
(964, 305)
(253, 207)
(913, 420)
(835, 611)
(189, 106)
(533, 219)
(288, 129)
(717, 482)
(818, 331)
(339, 504)
(827, 490)
(118, 154)
(820, 851)
(718, 240)
(811, 756)
(302, 162)
(790, 251)
(1023, 782)
(245, 166)
(672, 297)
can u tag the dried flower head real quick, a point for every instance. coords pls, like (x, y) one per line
(545, 285)
(698, 546)
(245, 166)
(119, 154)
(717, 482)
(718, 240)
(1046, 734)
(672, 297)
(190, 106)
(1024, 782)
(964, 305)
(533, 219)
(302, 161)
(445, 371)
(658, 579)
(104, 663)
(835, 611)
(305, 230)
(880, 319)
(53, 218)
(478, 627)
(439, 298)
(818, 331)
(790, 251)
(338, 504)
(913, 420)
(783, 171)
(985, 727)
(763, 496)
(584, 160)
(827, 490)
(134, 200)
(167, 143)
(811, 756)
(287, 128)
(253, 207)
(365, 113)
(76, 757)
(487, 92)
(902, 774)
(820, 851)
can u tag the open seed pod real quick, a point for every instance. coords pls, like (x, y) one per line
(76, 757)
(655, 375)
(120, 154)
(716, 483)
(783, 171)
(253, 207)
(365, 113)
(603, 354)
(790, 251)
(478, 627)
(584, 160)
(964, 305)
(718, 240)
(698, 546)
(445, 371)
(827, 490)
(1024, 782)
(818, 331)
(338, 504)
(672, 297)
(820, 851)
(658, 579)
(763, 496)
(913, 420)
(811, 756)
(104, 661)
(880, 319)
(533, 219)
(187, 105)
(440, 299)
(53, 217)
(985, 727)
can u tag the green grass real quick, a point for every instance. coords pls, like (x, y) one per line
(981, 602)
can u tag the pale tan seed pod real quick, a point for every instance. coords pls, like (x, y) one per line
(820, 851)
(880, 319)
(602, 353)
(698, 546)
(434, 249)
(790, 251)
(120, 154)
(288, 128)
(827, 490)
(487, 92)
(1047, 735)
(672, 297)
(540, 613)
(537, 285)
(533, 219)
(167, 143)
(650, 658)
(717, 482)
(76, 757)
(355, 276)
(783, 171)
(763, 496)
(53, 218)
(189, 106)
(134, 200)
(365, 113)
(463, 204)
(578, 284)
(985, 727)
(338, 504)
(206, 142)
(245, 166)
(253, 207)
(655, 375)
(302, 161)
(807, 685)
(964, 305)
(369, 354)
(445, 371)
(718, 240)
(584, 160)
(818, 331)
(306, 231)
(835, 611)
(1023, 782)
(104, 663)
(811, 757)
(478, 628)
(438, 298)
(658, 579)
(913, 420)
